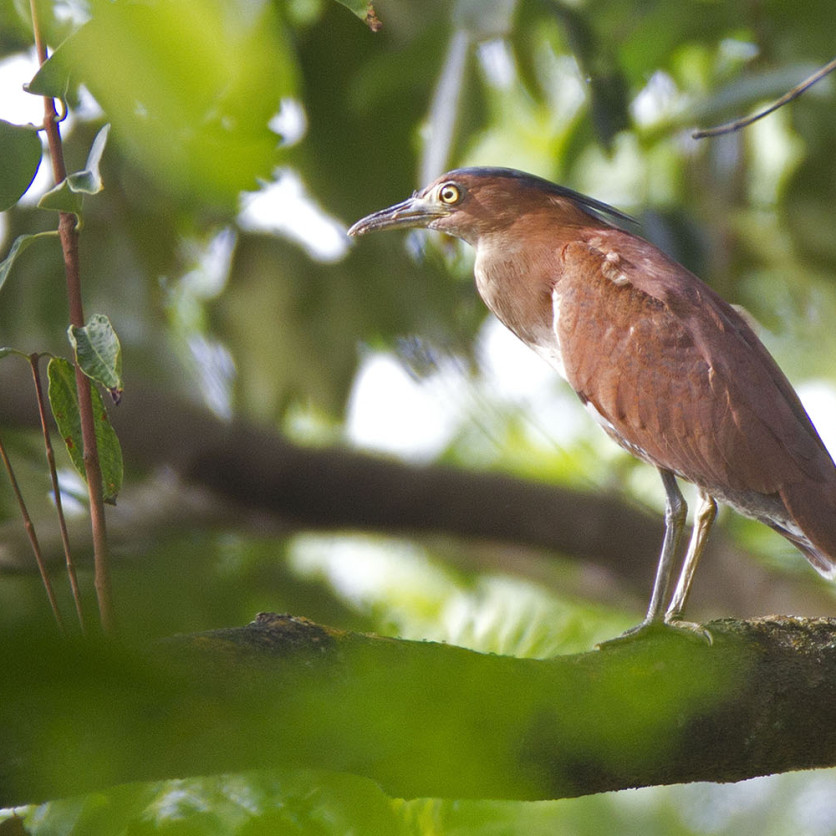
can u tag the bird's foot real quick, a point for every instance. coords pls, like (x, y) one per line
(655, 627)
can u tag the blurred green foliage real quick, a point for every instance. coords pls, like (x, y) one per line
(598, 94)
(328, 804)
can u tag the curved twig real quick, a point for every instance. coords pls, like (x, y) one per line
(744, 122)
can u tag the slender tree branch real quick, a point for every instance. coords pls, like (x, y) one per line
(69, 244)
(33, 537)
(796, 91)
(56, 490)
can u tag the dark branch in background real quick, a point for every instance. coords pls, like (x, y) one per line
(237, 475)
(69, 244)
(259, 470)
(284, 692)
(796, 91)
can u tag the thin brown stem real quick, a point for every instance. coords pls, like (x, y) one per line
(33, 537)
(69, 245)
(56, 490)
(796, 91)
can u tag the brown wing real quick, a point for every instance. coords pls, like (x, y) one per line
(678, 373)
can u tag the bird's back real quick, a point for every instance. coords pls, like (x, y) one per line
(678, 377)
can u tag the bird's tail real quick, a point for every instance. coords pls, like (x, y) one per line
(812, 506)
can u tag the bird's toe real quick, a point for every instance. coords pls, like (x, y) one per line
(656, 629)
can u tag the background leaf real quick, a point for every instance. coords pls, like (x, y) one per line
(20, 244)
(20, 151)
(190, 108)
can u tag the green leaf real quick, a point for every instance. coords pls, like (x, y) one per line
(98, 353)
(19, 245)
(110, 451)
(53, 77)
(190, 107)
(89, 181)
(20, 151)
(67, 196)
(365, 11)
(62, 198)
(63, 400)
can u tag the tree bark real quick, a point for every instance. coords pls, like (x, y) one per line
(422, 719)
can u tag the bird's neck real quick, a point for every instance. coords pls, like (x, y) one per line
(515, 275)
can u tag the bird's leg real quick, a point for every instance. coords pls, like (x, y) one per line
(676, 510)
(704, 516)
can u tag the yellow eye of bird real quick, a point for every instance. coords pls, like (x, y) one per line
(449, 193)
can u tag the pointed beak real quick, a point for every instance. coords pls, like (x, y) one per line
(415, 212)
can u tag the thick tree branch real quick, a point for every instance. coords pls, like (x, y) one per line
(422, 719)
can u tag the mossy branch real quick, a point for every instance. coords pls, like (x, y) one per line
(422, 719)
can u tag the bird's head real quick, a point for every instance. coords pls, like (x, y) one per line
(470, 202)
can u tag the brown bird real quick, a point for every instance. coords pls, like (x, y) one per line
(671, 371)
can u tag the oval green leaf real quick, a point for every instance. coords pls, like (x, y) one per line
(63, 400)
(98, 352)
